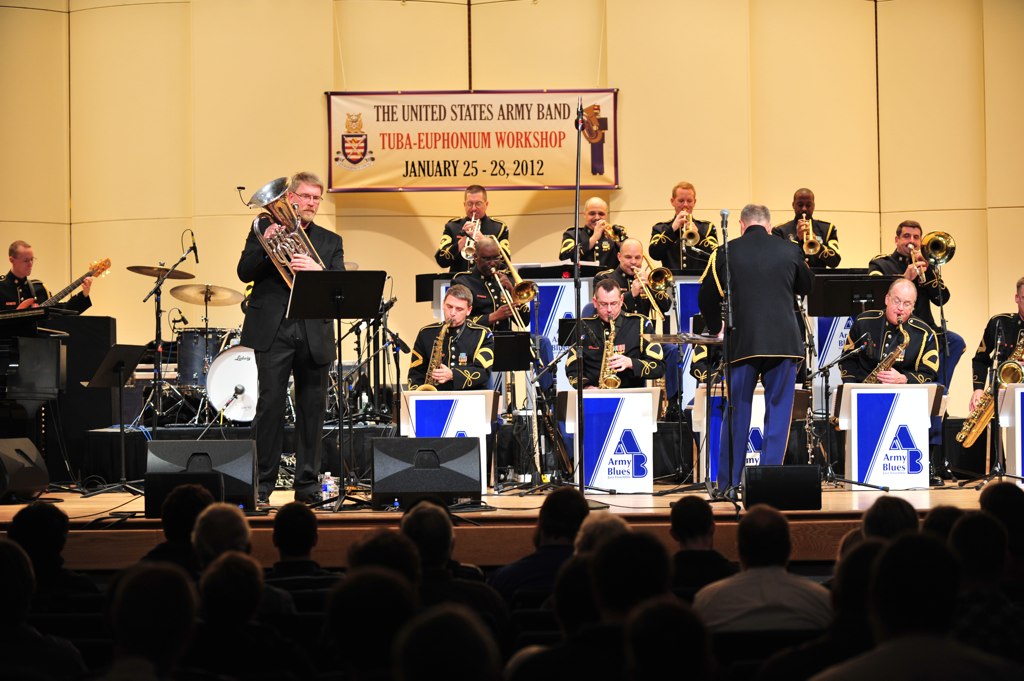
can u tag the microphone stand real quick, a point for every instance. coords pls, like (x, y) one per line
(220, 412)
(728, 494)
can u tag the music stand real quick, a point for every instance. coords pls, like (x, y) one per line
(513, 352)
(114, 370)
(330, 294)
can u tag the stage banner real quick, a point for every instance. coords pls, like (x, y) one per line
(450, 414)
(501, 139)
(889, 443)
(1011, 422)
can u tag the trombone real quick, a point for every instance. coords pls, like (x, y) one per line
(658, 279)
(523, 291)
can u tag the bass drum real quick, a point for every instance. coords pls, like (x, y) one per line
(233, 368)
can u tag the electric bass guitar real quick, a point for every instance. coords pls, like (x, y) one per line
(95, 270)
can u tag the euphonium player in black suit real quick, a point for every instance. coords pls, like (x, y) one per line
(599, 240)
(881, 333)
(1004, 329)
(301, 347)
(467, 350)
(797, 229)
(631, 276)
(766, 274)
(667, 238)
(634, 359)
(457, 230)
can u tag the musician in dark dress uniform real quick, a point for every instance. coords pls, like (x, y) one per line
(634, 359)
(880, 334)
(18, 290)
(466, 353)
(301, 347)
(630, 275)
(599, 240)
(666, 243)
(765, 275)
(1002, 332)
(796, 229)
(489, 308)
(457, 230)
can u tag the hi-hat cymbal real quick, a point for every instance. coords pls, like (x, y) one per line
(149, 271)
(201, 294)
(351, 266)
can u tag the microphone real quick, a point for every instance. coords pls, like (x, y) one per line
(397, 340)
(385, 306)
(239, 389)
(195, 251)
(181, 318)
(579, 114)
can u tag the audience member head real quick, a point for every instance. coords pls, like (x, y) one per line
(626, 571)
(762, 538)
(888, 517)
(365, 612)
(430, 529)
(940, 520)
(598, 528)
(849, 540)
(180, 509)
(574, 594)
(17, 584)
(42, 530)
(980, 543)
(908, 575)
(446, 642)
(230, 589)
(220, 527)
(295, 531)
(152, 614)
(659, 634)
(850, 584)
(387, 549)
(693, 523)
(1005, 500)
(560, 517)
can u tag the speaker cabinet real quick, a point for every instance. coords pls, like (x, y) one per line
(407, 469)
(787, 488)
(23, 473)
(234, 459)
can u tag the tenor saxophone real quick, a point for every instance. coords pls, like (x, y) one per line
(429, 383)
(890, 359)
(607, 377)
(1010, 371)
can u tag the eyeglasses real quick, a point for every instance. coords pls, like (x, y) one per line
(310, 197)
(905, 304)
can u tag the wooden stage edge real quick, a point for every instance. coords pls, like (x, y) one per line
(100, 541)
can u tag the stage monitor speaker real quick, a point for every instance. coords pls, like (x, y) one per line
(234, 459)
(787, 488)
(159, 485)
(23, 473)
(407, 469)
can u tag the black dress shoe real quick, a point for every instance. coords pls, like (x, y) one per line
(262, 500)
(309, 498)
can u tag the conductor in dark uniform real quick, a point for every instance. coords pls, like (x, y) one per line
(631, 278)
(457, 230)
(892, 330)
(1003, 333)
(301, 347)
(633, 360)
(766, 274)
(796, 229)
(668, 243)
(466, 351)
(599, 239)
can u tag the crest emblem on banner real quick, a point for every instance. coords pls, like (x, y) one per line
(355, 151)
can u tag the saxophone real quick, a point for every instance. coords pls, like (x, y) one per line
(1010, 371)
(889, 359)
(607, 378)
(435, 359)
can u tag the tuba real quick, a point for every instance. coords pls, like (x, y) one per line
(292, 239)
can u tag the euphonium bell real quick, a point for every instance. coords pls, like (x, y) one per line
(938, 248)
(292, 240)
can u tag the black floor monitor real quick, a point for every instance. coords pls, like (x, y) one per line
(234, 459)
(407, 469)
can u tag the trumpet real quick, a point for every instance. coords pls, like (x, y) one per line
(469, 248)
(523, 291)
(618, 231)
(689, 233)
(658, 279)
(291, 240)
(811, 243)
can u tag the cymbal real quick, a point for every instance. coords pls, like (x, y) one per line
(351, 266)
(148, 271)
(201, 294)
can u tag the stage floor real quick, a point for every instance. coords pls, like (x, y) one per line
(109, 531)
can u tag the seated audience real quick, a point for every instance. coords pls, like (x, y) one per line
(597, 528)
(663, 634)
(387, 549)
(1005, 500)
(295, 536)
(696, 563)
(446, 642)
(911, 621)
(763, 595)
(177, 517)
(940, 520)
(888, 517)
(560, 518)
(22, 648)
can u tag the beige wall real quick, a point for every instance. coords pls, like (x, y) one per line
(128, 122)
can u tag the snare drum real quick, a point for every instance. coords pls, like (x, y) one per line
(233, 368)
(196, 349)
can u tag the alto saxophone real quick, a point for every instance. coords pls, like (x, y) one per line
(889, 359)
(1010, 371)
(607, 377)
(430, 383)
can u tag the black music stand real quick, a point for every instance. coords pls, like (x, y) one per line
(330, 294)
(512, 352)
(114, 370)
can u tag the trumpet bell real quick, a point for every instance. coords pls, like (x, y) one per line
(938, 247)
(691, 236)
